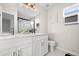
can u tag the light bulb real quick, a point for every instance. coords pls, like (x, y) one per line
(29, 4)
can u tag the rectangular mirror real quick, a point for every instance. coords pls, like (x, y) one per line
(7, 23)
(28, 26)
(25, 25)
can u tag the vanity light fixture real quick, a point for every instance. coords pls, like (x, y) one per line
(30, 6)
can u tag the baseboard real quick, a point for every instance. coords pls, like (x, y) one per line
(76, 54)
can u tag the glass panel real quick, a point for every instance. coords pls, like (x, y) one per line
(25, 26)
(7, 23)
(71, 19)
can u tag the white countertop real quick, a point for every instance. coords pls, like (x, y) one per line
(20, 35)
(6, 37)
(33, 34)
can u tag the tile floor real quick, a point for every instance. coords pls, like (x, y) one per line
(57, 52)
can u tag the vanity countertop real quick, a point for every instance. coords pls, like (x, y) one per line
(6, 37)
(40, 33)
(20, 35)
(32, 34)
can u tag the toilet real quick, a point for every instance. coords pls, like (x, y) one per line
(51, 45)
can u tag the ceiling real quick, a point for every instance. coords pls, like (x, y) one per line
(27, 13)
(46, 5)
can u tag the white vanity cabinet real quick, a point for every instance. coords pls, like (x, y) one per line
(24, 45)
(33, 45)
(40, 45)
(7, 52)
(6, 46)
(36, 46)
(26, 51)
(44, 44)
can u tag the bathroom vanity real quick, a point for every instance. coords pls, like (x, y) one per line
(24, 45)
(20, 43)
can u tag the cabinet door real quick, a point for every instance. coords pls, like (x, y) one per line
(24, 46)
(6, 52)
(36, 48)
(40, 45)
(26, 51)
(44, 44)
(6, 46)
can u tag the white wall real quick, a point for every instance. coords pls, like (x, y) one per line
(43, 20)
(67, 36)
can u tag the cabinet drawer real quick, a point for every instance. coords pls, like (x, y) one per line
(27, 51)
(41, 37)
(6, 43)
(6, 52)
(24, 41)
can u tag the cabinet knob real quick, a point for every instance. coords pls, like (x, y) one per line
(19, 52)
(14, 54)
(42, 43)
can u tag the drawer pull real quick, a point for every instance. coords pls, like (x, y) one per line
(14, 54)
(19, 52)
